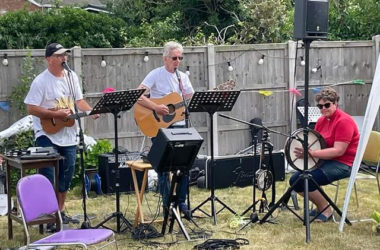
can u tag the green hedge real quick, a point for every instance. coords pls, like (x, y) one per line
(68, 26)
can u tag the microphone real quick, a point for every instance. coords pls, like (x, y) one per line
(176, 72)
(65, 66)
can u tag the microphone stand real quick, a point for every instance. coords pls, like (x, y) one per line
(82, 149)
(187, 125)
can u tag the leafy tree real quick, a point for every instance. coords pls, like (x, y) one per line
(354, 19)
(264, 21)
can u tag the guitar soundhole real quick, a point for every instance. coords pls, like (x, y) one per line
(171, 108)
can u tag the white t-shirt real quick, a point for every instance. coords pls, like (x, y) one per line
(45, 91)
(161, 83)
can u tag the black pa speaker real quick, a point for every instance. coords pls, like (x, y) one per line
(174, 149)
(107, 169)
(311, 19)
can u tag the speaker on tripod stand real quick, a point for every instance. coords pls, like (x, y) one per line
(310, 23)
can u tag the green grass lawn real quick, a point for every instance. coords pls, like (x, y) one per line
(287, 231)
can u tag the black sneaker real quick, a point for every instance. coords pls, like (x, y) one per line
(183, 208)
(51, 228)
(66, 219)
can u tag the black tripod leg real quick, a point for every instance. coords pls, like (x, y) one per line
(199, 207)
(330, 202)
(306, 215)
(285, 197)
(225, 206)
(168, 206)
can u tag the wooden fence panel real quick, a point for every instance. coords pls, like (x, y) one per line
(341, 62)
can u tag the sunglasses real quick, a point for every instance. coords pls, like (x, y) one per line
(175, 58)
(326, 105)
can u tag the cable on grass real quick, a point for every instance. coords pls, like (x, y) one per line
(222, 243)
(143, 231)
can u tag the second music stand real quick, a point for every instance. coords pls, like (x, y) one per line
(211, 102)
(115, 102)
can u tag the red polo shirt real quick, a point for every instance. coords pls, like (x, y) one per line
(340, 127)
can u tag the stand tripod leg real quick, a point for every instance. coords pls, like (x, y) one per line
(330, 202)
(283, 200)
(175, 216)
(306, 215)
(171, 210)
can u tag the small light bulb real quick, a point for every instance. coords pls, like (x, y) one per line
(146, 57)
(302, 61)
(314, 70)
(188, 70)
(261, 61)
(5, 62)
(103, 63)
(230, 68)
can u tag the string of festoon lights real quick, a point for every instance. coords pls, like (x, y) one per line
(229, 62)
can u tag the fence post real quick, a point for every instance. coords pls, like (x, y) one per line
(292, 48)
(211, 84)
(376, 41)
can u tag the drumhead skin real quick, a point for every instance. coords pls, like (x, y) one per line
(315, 142)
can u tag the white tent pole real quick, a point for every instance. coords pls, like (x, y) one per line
(369, 119)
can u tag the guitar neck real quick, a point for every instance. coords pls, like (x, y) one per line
(78, 115)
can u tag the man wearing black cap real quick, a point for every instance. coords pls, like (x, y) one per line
(51, 96)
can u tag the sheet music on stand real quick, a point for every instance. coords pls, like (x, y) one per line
(118, 100)
(313, 114)
(213, 100)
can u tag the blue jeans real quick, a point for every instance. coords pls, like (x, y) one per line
(66, 165)
(164, 187)
(327, 173)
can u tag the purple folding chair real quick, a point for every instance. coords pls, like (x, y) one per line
(37, 198)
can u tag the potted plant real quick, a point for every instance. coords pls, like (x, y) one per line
(376, 218)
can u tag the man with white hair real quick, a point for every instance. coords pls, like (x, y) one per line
(158, 83)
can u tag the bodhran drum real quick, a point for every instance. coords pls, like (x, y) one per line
(315, 142)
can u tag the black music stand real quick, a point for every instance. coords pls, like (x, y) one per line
(305, 176)
(115, 102)
(211, 102)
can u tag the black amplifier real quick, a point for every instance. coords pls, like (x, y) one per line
(107, 169)
(238, 170)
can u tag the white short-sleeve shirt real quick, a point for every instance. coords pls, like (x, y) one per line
(161, 82)
(45, 91)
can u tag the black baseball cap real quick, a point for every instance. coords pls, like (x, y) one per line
(55, 48)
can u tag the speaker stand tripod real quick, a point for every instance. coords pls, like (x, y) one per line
(171, 208)
(305, 176)
(211, 102)
(114, 103)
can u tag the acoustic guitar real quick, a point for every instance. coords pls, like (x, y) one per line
(149, 122)
(52, 125)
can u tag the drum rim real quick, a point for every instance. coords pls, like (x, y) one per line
(290, 139)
